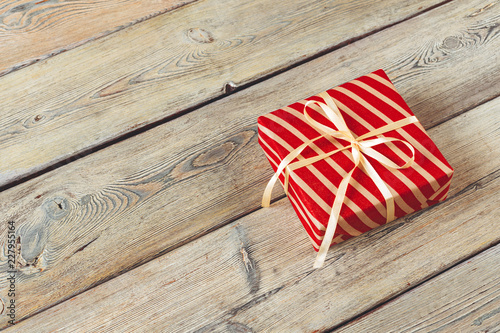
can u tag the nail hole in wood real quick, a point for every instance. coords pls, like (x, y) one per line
(229, 87)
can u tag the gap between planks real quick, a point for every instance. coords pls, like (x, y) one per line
(244, 276)
(124, 88)
(41, 30)
(252, 228)
(433, 306)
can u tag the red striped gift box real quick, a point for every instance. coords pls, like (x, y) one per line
(366, 104)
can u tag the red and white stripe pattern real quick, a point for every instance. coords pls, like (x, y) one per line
(366, 103)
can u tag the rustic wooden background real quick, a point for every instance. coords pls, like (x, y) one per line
(131, 169)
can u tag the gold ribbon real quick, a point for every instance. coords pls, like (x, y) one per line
(359, 147)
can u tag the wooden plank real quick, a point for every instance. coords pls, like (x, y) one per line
(255, 275)
(151, 193)
(65, 105)
(32, 31)
(463, 299)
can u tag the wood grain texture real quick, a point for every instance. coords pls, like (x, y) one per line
(90, 95)
(95, 218)
(31, 31)
(76, 255)
(464, 299)
(255, 274)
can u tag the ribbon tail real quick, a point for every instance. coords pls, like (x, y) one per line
(332, 221)
(266, 198)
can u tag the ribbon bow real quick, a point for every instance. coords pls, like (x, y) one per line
(359, 146)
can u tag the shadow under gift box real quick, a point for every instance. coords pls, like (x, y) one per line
(366, 103)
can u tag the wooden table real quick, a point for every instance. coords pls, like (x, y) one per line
(131, 174)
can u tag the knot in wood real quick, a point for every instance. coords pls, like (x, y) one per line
(199, 35)
(452, 43)
(56, 208)
(214, 155)
(35, 120)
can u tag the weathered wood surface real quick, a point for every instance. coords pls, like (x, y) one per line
(117, 208)
(34, 30)
(255, 274)
(464, 299)
(68, 104)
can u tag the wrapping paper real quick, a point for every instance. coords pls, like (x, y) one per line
(365, 105)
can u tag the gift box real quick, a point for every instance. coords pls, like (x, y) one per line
(351, 159)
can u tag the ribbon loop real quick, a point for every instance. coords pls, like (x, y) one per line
(359, 147)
